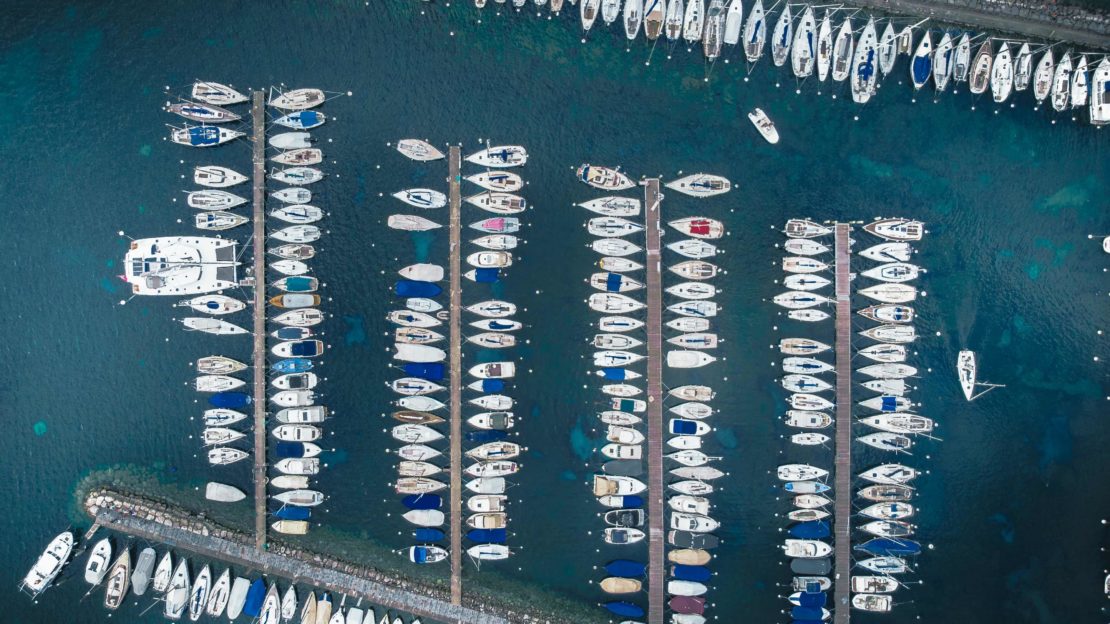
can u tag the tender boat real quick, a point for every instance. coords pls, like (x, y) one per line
(764, 125)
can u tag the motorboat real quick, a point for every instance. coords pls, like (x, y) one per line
(764, 125)
(699, 309)
(297, 433)
(700, 185)
(689, 359)
(734, 20)
(806, 419)
(806, 549)
(873, 584)
(876, 603)
(53, 558)
(672, 20)
(604, 178)
(199, 593)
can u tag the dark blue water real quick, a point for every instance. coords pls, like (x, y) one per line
(1014, 497)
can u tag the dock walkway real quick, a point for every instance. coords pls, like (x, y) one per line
(454, 181)
(183, 531)
(842, 489)
(655, 502)
(258, 189)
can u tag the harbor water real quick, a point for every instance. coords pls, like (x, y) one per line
(1011, 504)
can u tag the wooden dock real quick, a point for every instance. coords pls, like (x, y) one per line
(258, 188)
(455, 228)
(842, 542)
(655, 503)
(182, 531)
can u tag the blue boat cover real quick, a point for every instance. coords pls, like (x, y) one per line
(627, 609)
(922, 67)
(204, 135)
(806, 613)
(631, 501)
(288, 333)
(683, 427)
(432, 372)
(866, 69)
(755, 31)
(486, 435)
(289, 449)
(889, 403)
(613, 282)
(422, 501)
(885, 546)
(428, 534)
(626, 568)
(292, 365)
(626, 405)
(255, 595)
(808, 599)
(493, 385)
(414, 288)
(487, 536)
(292, 512)
(419, 554)
(496, 325)
(308, 118)
(614, 374)
(305, 347)
(230, 400)
(486, 276)
(810, 530)
(698, 574)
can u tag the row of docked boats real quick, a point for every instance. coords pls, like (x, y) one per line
(616, 222)
(299, 417)
(891, 426)
(210, 593)
(823, 42)
(494, 455)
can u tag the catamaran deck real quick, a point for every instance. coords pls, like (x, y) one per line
(454, 181)
(656, 530)
(258, 190)
(842, 543)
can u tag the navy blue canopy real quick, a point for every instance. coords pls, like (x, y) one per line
(414, 288)
(631, 501)
(230, 400)
(495, 325)
(289, 449)
(626, 568)
(432, 372)
(486, 276)
(292, 512)
(255, 595)
(486, 536)
(419, 554)
(627, 609)
(613, 282)
(492, 385)
(890, 403)
(428, 534)
(486, 435)
(288, 333)
(698, 574)
(292, 365)
(816, 599)
(810, 530)
(885, 546)
(422, 501)
(806, 613)
(305, 347)
(683, 427)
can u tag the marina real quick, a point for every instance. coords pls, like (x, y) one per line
(448, 354)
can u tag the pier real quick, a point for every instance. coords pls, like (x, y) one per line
(454, 160)
(258, 196)
(655, 504)
(842, 536)
(181, 530)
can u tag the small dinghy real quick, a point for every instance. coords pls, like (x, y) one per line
(301, 156)
(422, 198)
(302, 120)
(700, 185)
(604, 178)
(217, 177)
(203, 136)
(613, 206)
(420, 151)
(504, 181)
(298, 99)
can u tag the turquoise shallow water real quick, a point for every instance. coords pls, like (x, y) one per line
(1013, 500)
